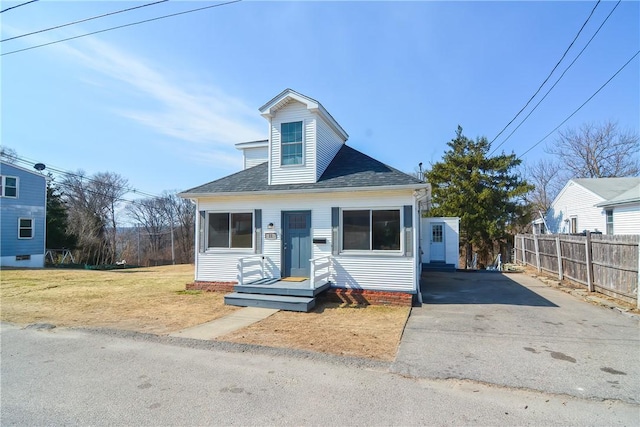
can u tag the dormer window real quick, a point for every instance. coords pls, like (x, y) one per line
(291, 134)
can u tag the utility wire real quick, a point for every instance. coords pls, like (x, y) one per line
(18, 5)
(559, 78)
(82, 20)
(580, 107)
(123, 26)
(59, 171)
(549, 76)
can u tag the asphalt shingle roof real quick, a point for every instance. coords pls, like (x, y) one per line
(608, 188)
(349, 169)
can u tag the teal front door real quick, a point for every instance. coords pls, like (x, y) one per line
(296, 243)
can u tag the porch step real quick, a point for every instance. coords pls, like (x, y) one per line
(281, 302)
(277, 287)
(438, 266)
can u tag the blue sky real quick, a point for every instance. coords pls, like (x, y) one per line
(163, 103)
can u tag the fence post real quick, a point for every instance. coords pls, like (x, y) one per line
(638, 302)
(537, 248)
(590, 286)
(559, 251)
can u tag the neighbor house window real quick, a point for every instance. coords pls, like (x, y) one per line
(371, 229)
(25, 228)
(291, 134)
(609, 213)
(574, 225)
(230, 230)
(9, 186)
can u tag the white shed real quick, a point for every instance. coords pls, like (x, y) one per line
(440, 240)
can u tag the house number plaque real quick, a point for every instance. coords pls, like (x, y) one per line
(270, 236)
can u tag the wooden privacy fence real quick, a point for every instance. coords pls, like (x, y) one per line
(607, 264)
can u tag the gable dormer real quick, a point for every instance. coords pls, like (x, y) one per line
(303, 138)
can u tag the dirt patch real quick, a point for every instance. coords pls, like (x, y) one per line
(149, 300)
(363, 331)
(154, 300)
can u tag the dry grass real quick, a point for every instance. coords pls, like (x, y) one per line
(146, 299)
(153, 300)
(363, 331)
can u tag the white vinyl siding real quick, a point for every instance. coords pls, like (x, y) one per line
(626, 219)
(255, 156)
(576, 201)
(289, 174)
(372, 271)
(328, 144)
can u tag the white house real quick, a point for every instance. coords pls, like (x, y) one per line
(606, 205)
(309, 208)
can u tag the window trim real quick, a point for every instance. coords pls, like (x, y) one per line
(302, 144)
(3, 184)
(392, 252)
(32, 228)
(608, 213)
(208, 248)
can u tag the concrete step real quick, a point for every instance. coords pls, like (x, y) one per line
(280, 302)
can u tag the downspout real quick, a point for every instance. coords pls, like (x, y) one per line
(419, 195)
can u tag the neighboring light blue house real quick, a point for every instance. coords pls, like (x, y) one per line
(23, 202)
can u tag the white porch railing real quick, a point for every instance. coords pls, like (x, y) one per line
(249, 262)
(317, 266)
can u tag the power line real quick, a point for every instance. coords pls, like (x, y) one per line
(580, 107)
(82, 20)
(559, 78)
(549, 76)
(123, 26)
(18, 5)
(30, 162)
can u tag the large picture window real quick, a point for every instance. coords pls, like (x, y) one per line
(291, 143)
(8, 186)
(230, 230)
(25, 228)
(371, 230)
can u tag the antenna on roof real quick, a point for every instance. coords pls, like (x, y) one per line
(39, 167)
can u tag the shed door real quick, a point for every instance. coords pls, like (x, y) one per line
(296, 243)
(436, 241)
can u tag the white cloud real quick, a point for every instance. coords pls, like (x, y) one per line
(193, 113)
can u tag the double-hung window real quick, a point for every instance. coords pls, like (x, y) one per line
(291, 143)
(371, 230)
(25, 228)
(609, 213)
(230, 230)
(9, 186)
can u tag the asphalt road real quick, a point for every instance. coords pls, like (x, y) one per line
(72, 377)
(514, 331)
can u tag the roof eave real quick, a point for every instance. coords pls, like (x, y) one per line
(416, 186)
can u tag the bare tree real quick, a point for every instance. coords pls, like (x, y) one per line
(547, 178)
(150, 215)
(93, 204)
(597, 151)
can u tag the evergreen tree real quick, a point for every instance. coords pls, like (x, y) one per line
(483, 191)
(58, 236)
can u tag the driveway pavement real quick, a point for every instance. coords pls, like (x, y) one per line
(514, 331)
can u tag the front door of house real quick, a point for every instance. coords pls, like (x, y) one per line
(296, 243)
(436, 241)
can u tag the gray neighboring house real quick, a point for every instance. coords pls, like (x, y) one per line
(23, 203)
(309, 207)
